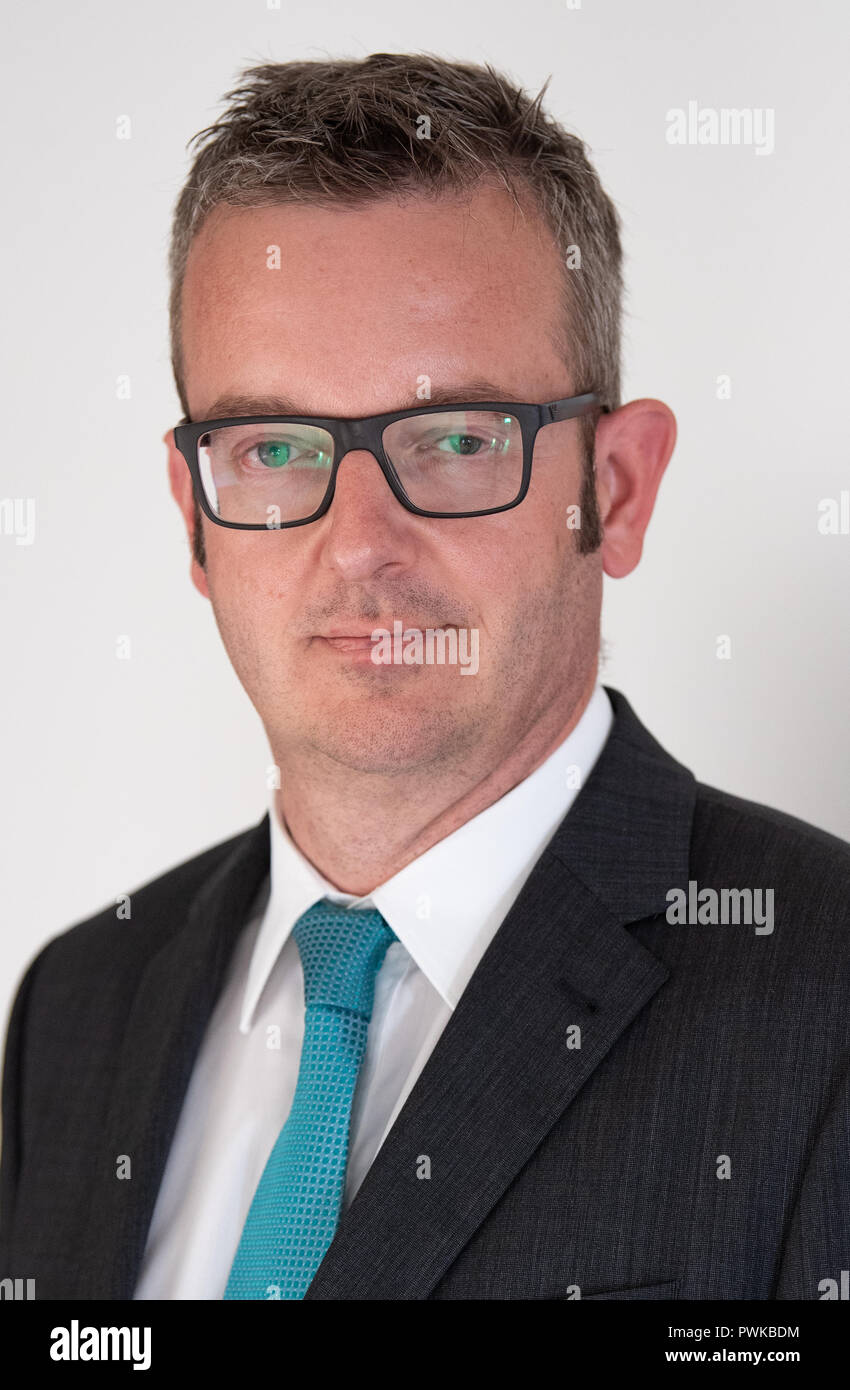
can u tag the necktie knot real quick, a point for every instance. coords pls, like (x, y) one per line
(341, 950)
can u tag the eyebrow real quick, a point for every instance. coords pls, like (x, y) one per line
(235, 405)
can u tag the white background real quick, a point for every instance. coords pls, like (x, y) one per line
(114, 770)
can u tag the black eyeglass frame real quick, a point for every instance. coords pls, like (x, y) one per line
(366, 432)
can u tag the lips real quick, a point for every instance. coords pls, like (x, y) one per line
(360, 630)
(351, 642)
(357, 638)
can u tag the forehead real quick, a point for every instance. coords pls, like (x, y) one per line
(345, 307)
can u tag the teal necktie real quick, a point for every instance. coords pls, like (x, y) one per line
(296, 1206)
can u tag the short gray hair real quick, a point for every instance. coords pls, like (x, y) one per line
(349, 131)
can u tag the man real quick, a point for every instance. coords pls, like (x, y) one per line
(497, 1002)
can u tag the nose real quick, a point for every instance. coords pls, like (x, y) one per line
(366, 530)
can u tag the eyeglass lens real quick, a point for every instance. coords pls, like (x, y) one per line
(449, 461)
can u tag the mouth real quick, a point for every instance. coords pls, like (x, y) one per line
(349, 642)
(353, 638)
(356, 638)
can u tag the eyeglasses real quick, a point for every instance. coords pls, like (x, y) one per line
(266, 472)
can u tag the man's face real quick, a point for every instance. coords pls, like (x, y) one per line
(366, 303)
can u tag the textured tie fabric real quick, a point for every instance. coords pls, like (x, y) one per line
(295, 1209)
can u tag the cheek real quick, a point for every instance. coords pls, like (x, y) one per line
(243, 574)
(494, 573)
(247, 601)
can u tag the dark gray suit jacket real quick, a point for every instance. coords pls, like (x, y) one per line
(695, 1145)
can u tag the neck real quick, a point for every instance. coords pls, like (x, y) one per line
(358, 828)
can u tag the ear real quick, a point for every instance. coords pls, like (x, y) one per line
(180, 481)
(633, 448)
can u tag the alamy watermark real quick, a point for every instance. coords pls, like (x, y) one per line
(721, 907)
(17, 1288)
(76, 1343)
(414, 646)
(17, 518)
(726, 125)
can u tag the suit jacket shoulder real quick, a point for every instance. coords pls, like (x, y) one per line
(806, 868)
(161, 905)
(77, 996)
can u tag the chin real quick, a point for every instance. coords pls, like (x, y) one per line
(389, 741)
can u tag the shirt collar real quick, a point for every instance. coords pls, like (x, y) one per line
(445, 906)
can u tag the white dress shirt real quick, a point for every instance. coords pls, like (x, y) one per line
(444, 907)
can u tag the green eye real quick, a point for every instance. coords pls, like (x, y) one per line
(274, 454)
(463, 443)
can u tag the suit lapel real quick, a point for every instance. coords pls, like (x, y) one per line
(173, 1003)
(501, 1073)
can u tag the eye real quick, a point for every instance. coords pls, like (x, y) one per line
(470, 445)
(274, 453)
(266, 455)
(460, 444)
